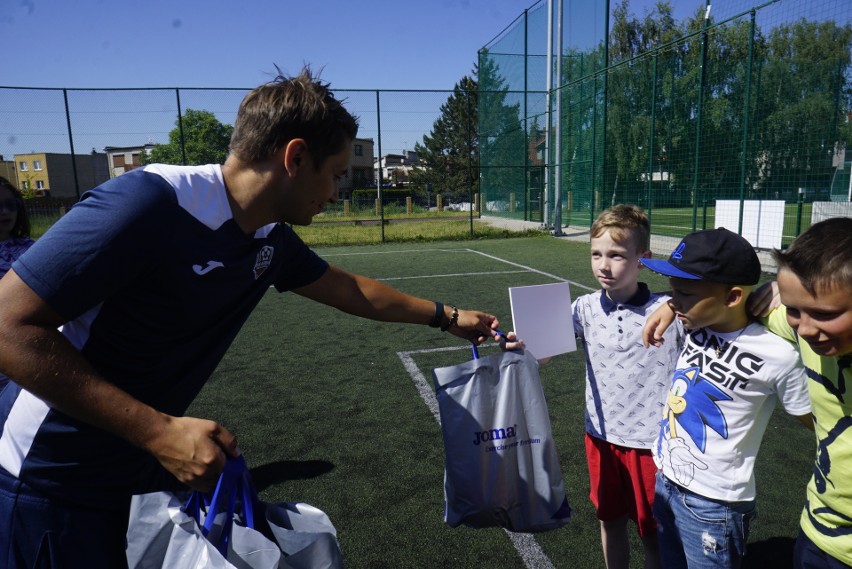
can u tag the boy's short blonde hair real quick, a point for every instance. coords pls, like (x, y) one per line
(821, 257)
(621, 219)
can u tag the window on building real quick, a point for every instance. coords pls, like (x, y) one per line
(359, 150)
(39, 184)
(22, 166)
(25, 184)
(37, 165)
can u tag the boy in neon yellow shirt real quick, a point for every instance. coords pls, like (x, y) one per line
(815, 283)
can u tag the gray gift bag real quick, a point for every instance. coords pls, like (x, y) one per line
(502, 468)
(232, 529)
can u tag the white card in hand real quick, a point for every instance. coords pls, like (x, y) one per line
(542, 318)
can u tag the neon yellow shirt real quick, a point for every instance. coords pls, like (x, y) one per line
(827, 516)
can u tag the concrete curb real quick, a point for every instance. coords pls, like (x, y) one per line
(661, 245)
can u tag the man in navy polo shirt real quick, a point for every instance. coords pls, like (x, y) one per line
(113, 321)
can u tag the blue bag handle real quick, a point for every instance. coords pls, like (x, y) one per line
(234, 484)
(475, 351)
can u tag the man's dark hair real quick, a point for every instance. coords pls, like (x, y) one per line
(287, 108)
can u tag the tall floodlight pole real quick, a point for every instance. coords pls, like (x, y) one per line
(548, 172)
(559, 83)
(557, 198)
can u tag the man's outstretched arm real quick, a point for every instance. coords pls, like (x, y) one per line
(369, 298)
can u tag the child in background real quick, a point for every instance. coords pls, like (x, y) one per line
(729, 375)
(815, 283)
(625, 383)
(14, 226)
(14, 233)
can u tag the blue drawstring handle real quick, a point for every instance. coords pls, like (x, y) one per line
(235, 485)
(475, 352)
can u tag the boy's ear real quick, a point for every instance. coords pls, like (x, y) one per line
(294, 155)
(645, 255)
(736, 295)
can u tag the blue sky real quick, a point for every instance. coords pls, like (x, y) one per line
(100, 44)
(378, 44)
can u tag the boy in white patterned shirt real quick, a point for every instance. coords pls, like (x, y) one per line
(626, 384)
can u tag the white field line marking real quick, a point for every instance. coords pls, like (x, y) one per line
(525, 544)
(396, 251)
(451, 275)
(467, 250)
(532, 270)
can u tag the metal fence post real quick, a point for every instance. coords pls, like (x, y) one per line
(379, 177)
(800, 203)
(747, 105)
(71, 142)
(180, 128)
(469, 159)
(699, 112)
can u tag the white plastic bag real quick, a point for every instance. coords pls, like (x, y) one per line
(502, 468)
(231, 529)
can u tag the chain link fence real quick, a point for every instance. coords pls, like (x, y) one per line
(736, 113)
(739, 113)
(42, 128)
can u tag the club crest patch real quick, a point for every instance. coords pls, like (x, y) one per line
(264, 259)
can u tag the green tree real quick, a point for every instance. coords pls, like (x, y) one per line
(503, 142)
(804, 99)
(630, 92)
(205, 141)
(769, 106)
(448, 154)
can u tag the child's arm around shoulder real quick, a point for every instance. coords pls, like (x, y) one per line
(806, 420)
(764, 299)
(656, 325)
(791, 379)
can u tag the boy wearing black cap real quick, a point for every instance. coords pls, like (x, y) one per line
(729, 375)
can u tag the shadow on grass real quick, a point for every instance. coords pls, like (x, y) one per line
(267, 475)
(775, 552)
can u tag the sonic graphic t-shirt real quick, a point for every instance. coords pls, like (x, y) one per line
(722, 395)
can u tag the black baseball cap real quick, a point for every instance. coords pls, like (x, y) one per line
(714, 255)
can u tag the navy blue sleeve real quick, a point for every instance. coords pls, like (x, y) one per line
(302, 265)
(108, 239)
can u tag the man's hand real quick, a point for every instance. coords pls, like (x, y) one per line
(764, 299)
(656, 325)
(193, 450)
(475, 326)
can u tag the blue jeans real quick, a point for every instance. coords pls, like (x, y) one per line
(696, 532)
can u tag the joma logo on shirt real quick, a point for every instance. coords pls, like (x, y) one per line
(199, 270)
(494, 435)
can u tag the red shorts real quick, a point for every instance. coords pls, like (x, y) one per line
(622, 483)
